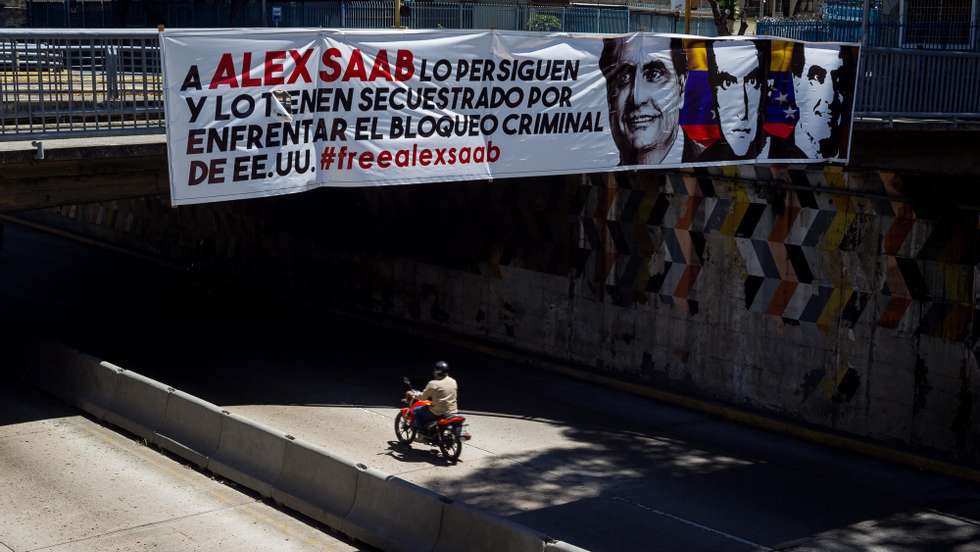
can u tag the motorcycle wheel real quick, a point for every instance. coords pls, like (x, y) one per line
(451, 443)
(404, 430)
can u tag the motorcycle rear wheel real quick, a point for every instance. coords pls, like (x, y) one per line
(404, 429)
(451, 442)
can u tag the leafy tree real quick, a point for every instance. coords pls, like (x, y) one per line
(543, 22)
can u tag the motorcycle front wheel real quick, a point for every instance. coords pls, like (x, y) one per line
(451, 443)
(404, 430)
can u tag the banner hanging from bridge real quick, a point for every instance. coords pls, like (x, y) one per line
(254, 113)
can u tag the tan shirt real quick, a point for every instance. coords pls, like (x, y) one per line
(442, 393)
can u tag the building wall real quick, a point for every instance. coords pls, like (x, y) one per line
(13, 13)
(846, 301)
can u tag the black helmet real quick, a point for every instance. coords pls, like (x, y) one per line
(440, 368)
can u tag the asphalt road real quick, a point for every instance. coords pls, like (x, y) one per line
(70, 484)
(602, 469)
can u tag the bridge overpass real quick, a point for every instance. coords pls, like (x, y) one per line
(49, 172)
(835, 303)
(917, 112)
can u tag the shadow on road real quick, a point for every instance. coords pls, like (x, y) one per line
(416, 454)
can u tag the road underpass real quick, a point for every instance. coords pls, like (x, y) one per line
(595, 467)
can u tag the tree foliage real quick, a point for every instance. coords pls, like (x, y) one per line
(544, 22)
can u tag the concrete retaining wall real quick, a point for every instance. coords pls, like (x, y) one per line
(846, 301)
(366, 504)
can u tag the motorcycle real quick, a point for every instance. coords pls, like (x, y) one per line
(448, 432)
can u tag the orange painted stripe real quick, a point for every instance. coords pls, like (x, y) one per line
(691, 208)
(687, 281)
(894, 278)
(894, 312)
(782, 297)
(783, 224)
(896, 235)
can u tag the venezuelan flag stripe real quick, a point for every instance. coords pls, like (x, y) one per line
(697, 117)
(781, 109)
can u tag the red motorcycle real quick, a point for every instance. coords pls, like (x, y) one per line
(448, 432)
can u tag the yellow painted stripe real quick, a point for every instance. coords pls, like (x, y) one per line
(957, 283)
(697, 55)
(834, 176)
(843, 218)
(734, 217)
(831, 311)
(782, 55)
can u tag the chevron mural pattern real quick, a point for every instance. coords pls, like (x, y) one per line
(816, 247)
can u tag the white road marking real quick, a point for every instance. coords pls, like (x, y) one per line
(694, 524)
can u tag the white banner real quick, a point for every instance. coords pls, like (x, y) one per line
(254, 113)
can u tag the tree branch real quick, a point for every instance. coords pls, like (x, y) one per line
(721, 20)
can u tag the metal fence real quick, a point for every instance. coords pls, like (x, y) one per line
(638, 16)
(846, 10)
(78, 83)
(819, 30)
(935, 35)
(150, 13)
(899, 83)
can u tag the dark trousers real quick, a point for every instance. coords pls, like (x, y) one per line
(423, 417)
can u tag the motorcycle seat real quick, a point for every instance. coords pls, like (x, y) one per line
(450, 420)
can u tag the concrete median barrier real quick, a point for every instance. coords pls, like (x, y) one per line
(139, 405)
(316, 483)
(393, 514)
(383, 511)
(249, 453)
(466, 529)
(191, 428)
(97, 381)
(559, 546)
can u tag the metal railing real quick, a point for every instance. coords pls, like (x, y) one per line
(79, 83)
(900, 83)
(654, 15)
(82, 83)
(936, 35)
(846, 10)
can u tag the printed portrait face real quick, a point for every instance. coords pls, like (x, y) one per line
(645, 95)
(817, 98)
(737, 86)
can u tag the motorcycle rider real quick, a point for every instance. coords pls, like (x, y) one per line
(442, 391)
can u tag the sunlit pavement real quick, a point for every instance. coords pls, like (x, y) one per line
(70, 484)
